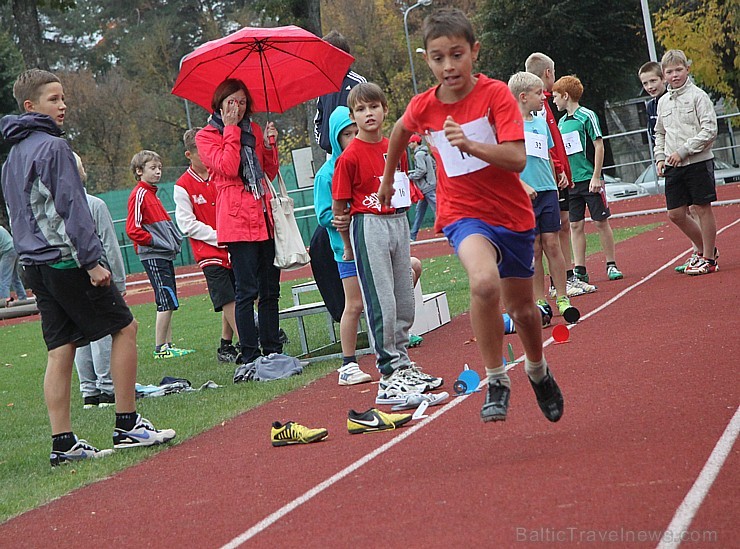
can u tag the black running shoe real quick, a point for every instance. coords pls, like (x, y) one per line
(549, 397)
(227, 354)
(497, 402)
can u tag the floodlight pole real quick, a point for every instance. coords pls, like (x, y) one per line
(648, 30)
(408, 42)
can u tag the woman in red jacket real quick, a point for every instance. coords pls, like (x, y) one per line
(239, 157)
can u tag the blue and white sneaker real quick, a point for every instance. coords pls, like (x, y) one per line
(143, 434)
(81, 450)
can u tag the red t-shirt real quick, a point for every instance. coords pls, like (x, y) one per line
(358, 173)
(486, 192)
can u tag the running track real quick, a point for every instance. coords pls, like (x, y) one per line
(646, 441)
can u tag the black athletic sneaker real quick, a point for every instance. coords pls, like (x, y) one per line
(91, 402)
(81, 450)
(227, 353)
(106, 399)
(497, 402)
(549, 397)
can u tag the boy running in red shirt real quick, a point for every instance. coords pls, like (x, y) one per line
(475, 128)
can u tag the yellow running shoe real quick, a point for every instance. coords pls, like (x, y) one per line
(293, 433)
(374, 420)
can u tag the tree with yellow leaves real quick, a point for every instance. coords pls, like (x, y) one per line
(707, 31)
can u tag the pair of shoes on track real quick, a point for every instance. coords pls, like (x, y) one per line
(370, 421)
(548, 394)
(406, 383)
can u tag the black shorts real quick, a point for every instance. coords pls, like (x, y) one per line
(72, 309)
(692, 184)
(546, 214)
(580, 197)
(221, 285)
(161, 273)
(563, 199)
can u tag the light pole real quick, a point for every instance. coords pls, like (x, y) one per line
(408, 42)
(648, 30)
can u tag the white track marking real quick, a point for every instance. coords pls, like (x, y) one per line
(678, 528)
(305, 497)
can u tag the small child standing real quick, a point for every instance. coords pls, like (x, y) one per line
(683, 152)
(195, 213)
(475, 129)
(157, 242)
(538, 179)
(585, 147)
(93, 360)
(378, 241)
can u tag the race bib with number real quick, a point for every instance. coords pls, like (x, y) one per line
(455, 161)
(536, 145)
(402, 197)
(572, 142)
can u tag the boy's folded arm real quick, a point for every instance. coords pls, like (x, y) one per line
(708, 132)
(186, 220)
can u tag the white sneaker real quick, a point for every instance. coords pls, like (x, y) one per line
(398, 387)
(143, 434)
(575, 286)
(81, 450)
(350, 374)
(414, 372)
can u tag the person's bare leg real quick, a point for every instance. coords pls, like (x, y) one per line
(555, 261)
(163, 328)
(708, 228)
(123, 365)
(57, 387)
(578, 238)
(680, 218)
(539, 270)
(517, 297)
(606, 237)
(415, 270)
(229, 322)
(350, 315)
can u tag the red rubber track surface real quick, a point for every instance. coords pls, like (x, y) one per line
(649, 390)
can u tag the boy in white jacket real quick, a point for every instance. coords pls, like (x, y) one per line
(684, 133)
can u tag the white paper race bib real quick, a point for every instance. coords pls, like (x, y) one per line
(572, 142)
(402, 197)
(536, 145)
(456, 162)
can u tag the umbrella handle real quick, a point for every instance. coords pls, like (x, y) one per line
(274, 149)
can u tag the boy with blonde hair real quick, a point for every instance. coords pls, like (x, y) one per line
(543, 66)
(157, 242)
(683, 153)
(585, 148)
(62, 266)
(476, 132)
(538, 179)
(378, 240)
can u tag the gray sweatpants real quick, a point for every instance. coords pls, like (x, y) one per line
(93, 367)
(383, 258)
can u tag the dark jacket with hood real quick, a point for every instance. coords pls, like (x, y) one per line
(49, 214)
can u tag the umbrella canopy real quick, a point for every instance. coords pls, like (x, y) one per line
(281, 66)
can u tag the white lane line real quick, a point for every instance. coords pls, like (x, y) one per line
(300, 500)
(678, 528)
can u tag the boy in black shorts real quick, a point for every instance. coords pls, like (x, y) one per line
(157, 242)
(684, 133)
(585, 149)
(54, 233)
(195, 214)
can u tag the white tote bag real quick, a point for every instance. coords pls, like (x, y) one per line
(290, 251)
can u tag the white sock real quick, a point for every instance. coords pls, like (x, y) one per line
(537, 371)
(498, 374)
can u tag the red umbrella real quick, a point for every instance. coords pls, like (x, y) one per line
(281, 66)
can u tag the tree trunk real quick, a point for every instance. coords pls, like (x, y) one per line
(28, 31)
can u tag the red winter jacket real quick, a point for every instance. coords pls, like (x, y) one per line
(239, 217)
(149, 226)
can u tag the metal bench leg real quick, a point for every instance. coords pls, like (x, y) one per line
(302, 335)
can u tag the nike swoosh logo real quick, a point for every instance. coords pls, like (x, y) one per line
(374, 423)
(145, 435)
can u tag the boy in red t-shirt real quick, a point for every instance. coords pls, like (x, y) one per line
(378, 240)
(475, 128)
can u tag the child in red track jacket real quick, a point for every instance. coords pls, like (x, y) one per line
(157, 241)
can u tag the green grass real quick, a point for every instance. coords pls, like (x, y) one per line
(27, 481)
